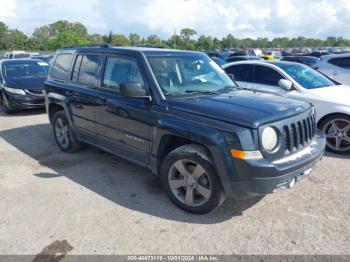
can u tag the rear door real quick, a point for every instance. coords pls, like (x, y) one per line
(242, 74)
(82, 93)
(123, 123)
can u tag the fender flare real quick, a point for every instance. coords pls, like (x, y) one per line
(55, 98)
(210, 138)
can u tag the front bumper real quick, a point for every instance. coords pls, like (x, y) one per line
(268, 177)
(26, 101)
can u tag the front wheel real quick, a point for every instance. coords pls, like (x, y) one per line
(65, 138)
(190, 180)
(337, 130)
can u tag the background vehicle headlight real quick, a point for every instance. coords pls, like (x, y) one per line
(269, 139)
(15, 91)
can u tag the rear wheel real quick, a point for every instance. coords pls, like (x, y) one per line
(337, 130)
(65, 138)
(190, 180)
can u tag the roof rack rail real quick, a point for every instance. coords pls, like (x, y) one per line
(82, 46)
(150, 46)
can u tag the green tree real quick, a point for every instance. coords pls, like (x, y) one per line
(96, 39)
(187, 34)
(120, 40)
(134, 39)
(16, 39)
(67, 38)
(153, 40)
(3, 32)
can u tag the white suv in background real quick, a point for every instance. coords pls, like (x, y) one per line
(336, 67)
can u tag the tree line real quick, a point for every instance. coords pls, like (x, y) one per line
(64, 33)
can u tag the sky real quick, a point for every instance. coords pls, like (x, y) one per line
(241, 18)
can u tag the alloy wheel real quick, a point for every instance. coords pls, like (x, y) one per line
(338, 134)
(62, 132)
(189, 183)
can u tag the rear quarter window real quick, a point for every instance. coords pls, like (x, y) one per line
(60, 68)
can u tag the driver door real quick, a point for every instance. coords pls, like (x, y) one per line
(123, 123)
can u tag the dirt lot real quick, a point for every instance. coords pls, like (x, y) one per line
(91, 202)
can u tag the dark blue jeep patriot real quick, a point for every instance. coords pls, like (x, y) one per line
(178, 114)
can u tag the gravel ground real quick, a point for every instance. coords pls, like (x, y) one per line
(92, 202)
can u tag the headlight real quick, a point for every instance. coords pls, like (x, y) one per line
(269, 139)
(14, 91)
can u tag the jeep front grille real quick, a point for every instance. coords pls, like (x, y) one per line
(299, 134)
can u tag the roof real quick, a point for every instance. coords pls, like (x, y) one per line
(327, 57)
(148, 51)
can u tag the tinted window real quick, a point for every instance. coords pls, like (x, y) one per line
(88, 69)
(266, 76)
(120, 70)
(61, 66)
(343, 62)
(241, 73)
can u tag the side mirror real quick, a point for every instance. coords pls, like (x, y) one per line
(285, 84)
(134, 90)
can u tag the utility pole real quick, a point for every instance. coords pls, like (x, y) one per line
(174, 38)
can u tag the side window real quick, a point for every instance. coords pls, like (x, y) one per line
(241, 73)
(86, 69)
(343, 62)
(120, 70)
(61, 66)
(266, 76)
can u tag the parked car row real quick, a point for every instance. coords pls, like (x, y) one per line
(250, 129)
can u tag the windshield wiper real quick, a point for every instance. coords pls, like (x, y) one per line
(203, 92)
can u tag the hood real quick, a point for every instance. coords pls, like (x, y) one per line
(246, 108)
(335, 94)
(26, 82)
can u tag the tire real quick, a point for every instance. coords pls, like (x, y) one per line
(64, 135)
(201, 191)
(5, 104)
(337, 130)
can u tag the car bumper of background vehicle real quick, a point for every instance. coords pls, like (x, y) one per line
(25, 102)
(270, 177)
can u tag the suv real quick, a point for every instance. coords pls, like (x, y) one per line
(180, 115)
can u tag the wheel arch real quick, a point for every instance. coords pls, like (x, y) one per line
(173, 134)
(323, 118)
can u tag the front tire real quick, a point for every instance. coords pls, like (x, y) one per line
(337, 130)
(64, 135)
(190, 180)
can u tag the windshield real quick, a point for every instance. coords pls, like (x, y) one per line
(307, 77)
(25, 69)
(178, 75)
